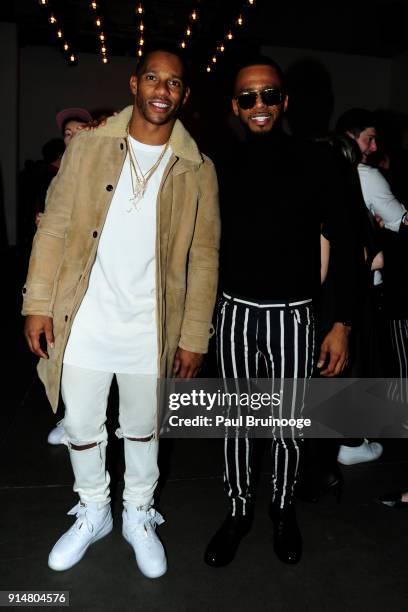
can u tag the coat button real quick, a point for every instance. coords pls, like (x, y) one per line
(24, 290)
(95, 234)
(109, 187)
(121, 146)
(66, 317)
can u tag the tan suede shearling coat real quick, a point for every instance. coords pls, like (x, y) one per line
(187, 242)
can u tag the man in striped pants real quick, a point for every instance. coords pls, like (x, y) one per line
(275, 195)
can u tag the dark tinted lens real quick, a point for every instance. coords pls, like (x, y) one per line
(247, 100)
(271, 97)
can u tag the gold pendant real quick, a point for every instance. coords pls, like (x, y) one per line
(137, 197)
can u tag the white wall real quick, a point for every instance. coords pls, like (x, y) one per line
(357, 80)
(48, 84)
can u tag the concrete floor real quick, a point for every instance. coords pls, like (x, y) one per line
(354, 552)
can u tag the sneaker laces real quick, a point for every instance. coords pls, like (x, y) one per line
(151, 519)
(80, 511)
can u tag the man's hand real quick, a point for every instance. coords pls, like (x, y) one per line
(186, 363)
(34, 326)
(334, 345)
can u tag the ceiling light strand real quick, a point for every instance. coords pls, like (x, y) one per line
(100, 33)
(58, 31)
(238, 24)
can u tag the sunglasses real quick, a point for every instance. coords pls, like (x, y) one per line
(269, 96)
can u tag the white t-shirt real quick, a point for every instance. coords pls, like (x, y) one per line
(115, 327)
(379, 198)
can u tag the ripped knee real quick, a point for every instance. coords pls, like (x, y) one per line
(120, 434)
(146, 439)
(81, 447)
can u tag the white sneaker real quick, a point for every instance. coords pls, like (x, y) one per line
(57, 435)
(93, 523)
(139, 529)
(367, 451)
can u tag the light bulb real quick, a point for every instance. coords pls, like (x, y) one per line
(230, 35)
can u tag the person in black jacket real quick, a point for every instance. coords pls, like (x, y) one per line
(276, 193)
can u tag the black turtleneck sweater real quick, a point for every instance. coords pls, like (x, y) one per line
(275, 195)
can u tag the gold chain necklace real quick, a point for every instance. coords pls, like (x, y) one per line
(140, 180)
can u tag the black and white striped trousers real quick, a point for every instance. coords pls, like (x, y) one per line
(281, 338)
(398, 390)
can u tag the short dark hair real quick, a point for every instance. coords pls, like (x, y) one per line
(165, 48)
(258, 60)
(355, 120)
(346, 146)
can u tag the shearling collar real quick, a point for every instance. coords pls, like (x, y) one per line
(180, 140)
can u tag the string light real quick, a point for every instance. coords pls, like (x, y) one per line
(101, 36)
(238, 22)
(139, 12)
(188, 32)
(58, 31)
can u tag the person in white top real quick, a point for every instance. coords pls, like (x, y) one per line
(125, 275)
(359, 124)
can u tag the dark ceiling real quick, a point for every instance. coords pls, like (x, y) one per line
(367, 27)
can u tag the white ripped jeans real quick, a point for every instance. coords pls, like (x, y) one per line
(85, 395)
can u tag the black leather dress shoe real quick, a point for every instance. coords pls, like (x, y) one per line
(287, 539)
(310, 489)
(224, 545)
(393, 500)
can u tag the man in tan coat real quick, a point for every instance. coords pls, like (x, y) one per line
(122, 281)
